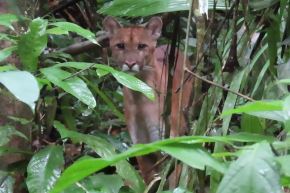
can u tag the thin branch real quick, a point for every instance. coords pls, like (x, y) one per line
(80, 47)
(220, 86)
(78, 72)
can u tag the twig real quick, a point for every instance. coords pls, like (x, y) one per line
(78, 72)
(220, 86)
(80, 47)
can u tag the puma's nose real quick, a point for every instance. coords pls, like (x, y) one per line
(130, 63)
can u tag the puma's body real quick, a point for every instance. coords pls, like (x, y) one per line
(134, 49)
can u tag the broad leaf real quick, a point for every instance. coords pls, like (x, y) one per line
(6, 132)
(123, 78)
(87, 166)
(72, 85)
(6, 52)
(254, 171)
(44, 168)
(149, 7)
(77, 65)
(8, 67)
(105, 150)
(7, 20)
(261, 4)
(129, 81)
(284, 163)
(27, 91)
(256, 107)
(65, 27)
(103, 183)
(193, 156)
(252, 124)
(31, 44)
(7, 183)
(275, 110)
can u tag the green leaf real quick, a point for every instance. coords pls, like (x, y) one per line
(77, 65)
(57, 31)
(123, 78)
(284, 81)
(135, 8)
(103, 183)
(32, 43)
(6, 52)
(275, 110)
(64, 27)
(129, 81)
(261, 4)
(44, 169)
(8, 19)
(284, 163)
(27, 91)
(104, 149)
(252, 124)
(8, 67)
(255, 107)
(20, 120)
(273, 38)
(254, 171)
(7, 183)
(88, 166)
(193, 156)
(231, 99)
(73, 85)
(6, 132)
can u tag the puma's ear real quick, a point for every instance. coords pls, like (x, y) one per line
(155, 26)
(110, 25)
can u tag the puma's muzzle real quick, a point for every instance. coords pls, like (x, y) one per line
(134, 68)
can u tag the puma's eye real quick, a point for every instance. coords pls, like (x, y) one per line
(120, 46)
(141, 46)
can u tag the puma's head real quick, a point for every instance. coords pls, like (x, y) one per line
(133, 47)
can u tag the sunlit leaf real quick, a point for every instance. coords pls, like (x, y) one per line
(27, 91)
(149, 7)
(284, 163)
(103, 183)
(44, 169)
(77, 65)
(8, 19)
(7, 131)
(261, 4)
(32, 44)
(87, 166)
(193, 156)
(105, 150)
(256, 106)
(130, 81)
(64, 27)
(123, 78)
(7, 183)
(6, 52)
(252, 124)
(73, 85)
(8, 67)
(254, 171)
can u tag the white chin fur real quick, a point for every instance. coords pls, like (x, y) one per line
(125, 67)
(136, 68)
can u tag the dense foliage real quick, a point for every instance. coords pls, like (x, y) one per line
(67, 132)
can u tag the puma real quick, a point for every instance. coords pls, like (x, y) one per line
(134, 50)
